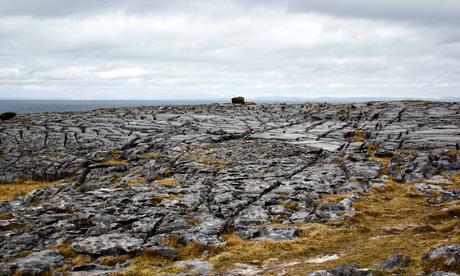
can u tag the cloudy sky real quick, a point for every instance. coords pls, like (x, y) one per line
(173, 49)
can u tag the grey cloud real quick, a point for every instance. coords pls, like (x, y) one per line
(422, 11)
(208, 49)
(419, 10)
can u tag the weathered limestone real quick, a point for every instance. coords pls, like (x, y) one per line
(136, 176)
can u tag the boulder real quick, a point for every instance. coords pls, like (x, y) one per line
(238, 100)
(7, 116)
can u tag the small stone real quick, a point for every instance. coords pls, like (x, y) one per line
(383, 153)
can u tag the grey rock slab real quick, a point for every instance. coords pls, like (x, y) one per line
(36, 263)
(109, 244)
(277, 233)
(194, 267)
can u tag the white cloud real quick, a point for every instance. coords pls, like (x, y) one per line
(10, 73)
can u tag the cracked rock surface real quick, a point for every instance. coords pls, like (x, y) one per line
(128, 178)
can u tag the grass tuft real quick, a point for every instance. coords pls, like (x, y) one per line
(81, 260)
(113, 260)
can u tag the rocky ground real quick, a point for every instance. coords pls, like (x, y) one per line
(179, 189)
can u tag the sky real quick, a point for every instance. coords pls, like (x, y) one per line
(186, 49)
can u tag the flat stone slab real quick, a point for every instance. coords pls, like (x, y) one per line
(109, 244)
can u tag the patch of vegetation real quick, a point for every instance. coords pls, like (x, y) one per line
(81, 260)
(112, 260)
(290, 205)
(12, 226)
(359, 136)
(12, 191)
(338, 197)
(114, 158)
(114, 161)
(6, 216)
(148, 262)
(66, 251)
(149, 155)
(215, 163)
(193, 221)
(166, 181)
(137, 180)
(371, 148)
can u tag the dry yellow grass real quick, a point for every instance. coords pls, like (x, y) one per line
(384, 161)
(151, 154)
(6, 216)
(455, 178)
(114, 158)
(290, 205)
(65, 250)
(113, 260)
(337, 197)
(114, 161)
(371, 148)
(136, 180)
(215, 163)
(13, 191)
(387, 221)
(81, 260)
(166, 181)
(359, 136)
(192, 221)
(148, 263)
